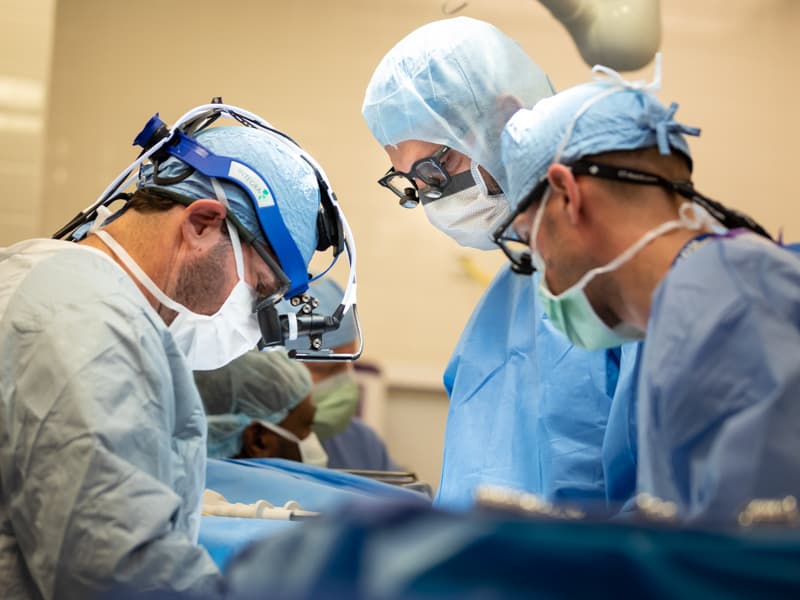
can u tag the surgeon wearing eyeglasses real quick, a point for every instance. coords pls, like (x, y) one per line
(102, 430)
(529, 412)
(601, 179)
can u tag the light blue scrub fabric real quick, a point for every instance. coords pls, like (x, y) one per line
(102, 433)
(533, 412)
(279, 481)
(720, 386)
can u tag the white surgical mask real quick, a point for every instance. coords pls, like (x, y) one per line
(470, 215)
(207, 341)
(572, 313)
(311, 450)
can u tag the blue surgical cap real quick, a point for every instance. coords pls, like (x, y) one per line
(450, 82)
(330, 296)
(291, 178)
(256, 386)
(602, 116)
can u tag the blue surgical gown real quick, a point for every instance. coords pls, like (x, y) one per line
(719, 394)
(102, 433)
(529, 410)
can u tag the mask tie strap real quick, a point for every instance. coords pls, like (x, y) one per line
(667, 125)
(695, 222)
(631, 251)
(103, 212)
(234, 234)
(137, 271)
(601, 72)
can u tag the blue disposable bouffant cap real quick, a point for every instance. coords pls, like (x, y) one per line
(256, 386)
(453, 82)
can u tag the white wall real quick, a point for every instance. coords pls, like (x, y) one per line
(26, 42)
(732, 64)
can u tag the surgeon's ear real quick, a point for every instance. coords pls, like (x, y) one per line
(259, 442)
(563, 182)
(202, 219)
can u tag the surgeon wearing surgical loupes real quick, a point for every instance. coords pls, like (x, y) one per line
(528, 412)
(102, 432)
(601, 179)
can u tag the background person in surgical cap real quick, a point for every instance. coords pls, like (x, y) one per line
(626, 247)
(530, 412)
(259, 406)
(349, 442)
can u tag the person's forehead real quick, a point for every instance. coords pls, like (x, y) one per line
(405, 153)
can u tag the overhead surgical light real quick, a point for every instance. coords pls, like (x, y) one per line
(621, 34)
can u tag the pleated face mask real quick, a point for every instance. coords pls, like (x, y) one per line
(469, 214)
(207, 341)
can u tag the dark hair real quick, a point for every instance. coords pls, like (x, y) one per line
(151, 201)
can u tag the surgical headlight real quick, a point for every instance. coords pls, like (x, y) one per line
(158, 143)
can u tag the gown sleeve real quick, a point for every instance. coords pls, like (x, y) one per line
(103, 452)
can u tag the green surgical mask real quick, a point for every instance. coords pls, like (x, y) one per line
(573, 315)
(571, 312)
(337, 400)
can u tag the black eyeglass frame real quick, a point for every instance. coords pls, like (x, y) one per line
(409, 195)
(728, 217)
(521, 262)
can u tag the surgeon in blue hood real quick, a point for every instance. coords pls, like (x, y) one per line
(531, 412)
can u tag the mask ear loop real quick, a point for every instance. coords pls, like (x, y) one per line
(139, 273)
(284, 433)
(478, 177)
(536, 258)
(232, 231)
(694, 222)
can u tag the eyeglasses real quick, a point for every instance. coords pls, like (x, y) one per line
(728, 217)
(429, 170)
(516, 249)
(518, 252)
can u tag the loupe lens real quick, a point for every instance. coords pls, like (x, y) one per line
(432, 192)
